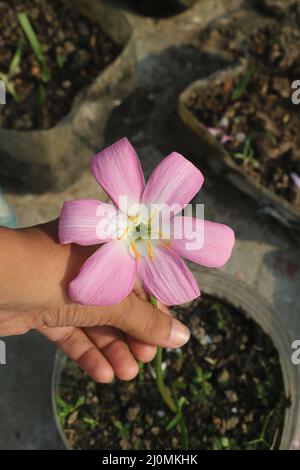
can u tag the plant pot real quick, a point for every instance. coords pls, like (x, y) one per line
(201, 142)
(237, 294)
(224, 36)
(40, 160)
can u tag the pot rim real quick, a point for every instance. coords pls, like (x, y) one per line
(237, 293)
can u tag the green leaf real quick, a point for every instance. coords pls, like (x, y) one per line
(35, 44)
(178, 384)
(239, 156)
(242, 85)
(216, 444)
(80, 402)
(16, 60)
(123, 431)
(181, 402)
(173, 423)
(92, 422)
(61, 60)
(225, 442)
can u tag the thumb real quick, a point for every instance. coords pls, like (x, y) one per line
(150, 324)
(134, 316)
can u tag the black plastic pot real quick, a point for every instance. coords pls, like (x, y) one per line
(40, 160)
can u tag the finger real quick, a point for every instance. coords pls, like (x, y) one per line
(121, 359)
(115, 349)
(104, 335)
(141, 351)
(75, 343)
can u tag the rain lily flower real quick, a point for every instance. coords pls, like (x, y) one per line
(132, 247)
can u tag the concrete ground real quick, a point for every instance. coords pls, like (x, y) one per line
(265, 256)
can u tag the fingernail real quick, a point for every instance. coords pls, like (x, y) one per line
(179, 335)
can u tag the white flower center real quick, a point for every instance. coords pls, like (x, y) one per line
(141, 236)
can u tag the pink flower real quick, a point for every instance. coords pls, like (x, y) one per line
(218, 133)
(132, 245)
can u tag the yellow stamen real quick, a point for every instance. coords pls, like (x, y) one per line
(132, 217)
(153, 214)
(150, 249)
(135, 250)
(124, 233)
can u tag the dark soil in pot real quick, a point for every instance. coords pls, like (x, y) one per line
(75, 51)
(253, 114)
(229, 373)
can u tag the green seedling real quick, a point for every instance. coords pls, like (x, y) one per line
(220, 317)
(13, 70)
(201, 376)
(262, 437)
(122, 429)
(178, 385)
(65, 409)
(261, 393)
(91, 422)
(60, 60)
(242, 85)
(223, 443)
(179, 418)
(35, 45)
(201, 386)
(247, 154)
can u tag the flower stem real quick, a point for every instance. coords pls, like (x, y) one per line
(184, 434)
(163, 389)
(166, 393)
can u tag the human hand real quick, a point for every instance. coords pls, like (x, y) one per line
(104, 341)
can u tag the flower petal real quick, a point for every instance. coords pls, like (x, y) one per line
(96, 282)
(167, 278)
(201, 241)
(174, 181)
(118, 170)
(85, 222)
